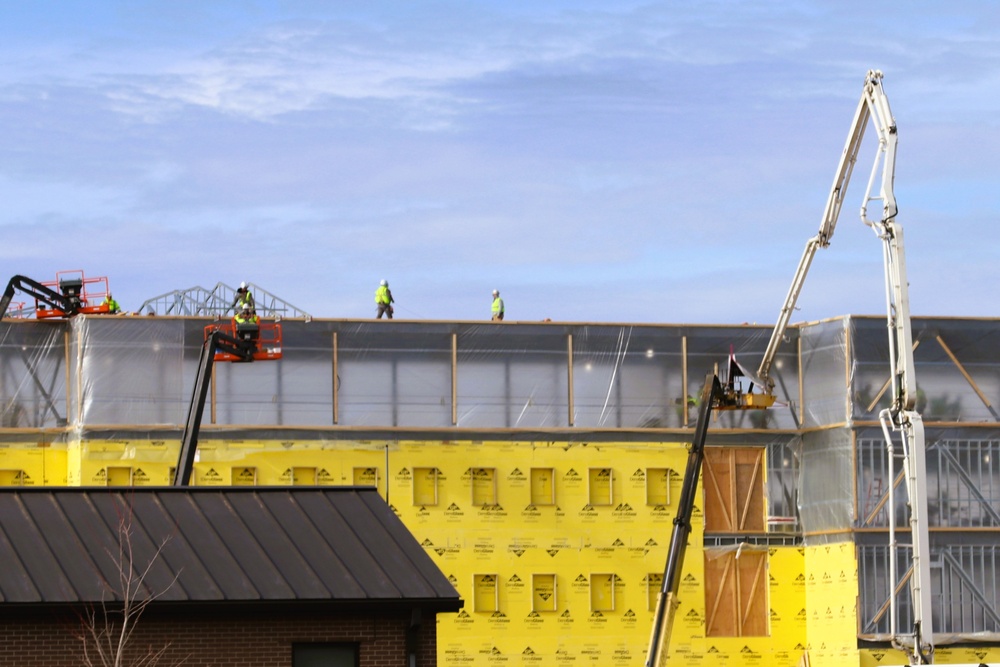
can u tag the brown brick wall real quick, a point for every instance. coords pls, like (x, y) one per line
(221, 642)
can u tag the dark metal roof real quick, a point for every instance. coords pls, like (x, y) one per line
(233, 545)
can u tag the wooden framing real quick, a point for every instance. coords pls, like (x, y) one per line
(968, 378)
(454, 379)
(736, 603)
(336, 383)
(569, 366)
(734, 490)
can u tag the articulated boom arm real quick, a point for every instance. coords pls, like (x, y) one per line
(900, 416)
(666, 601)
(873, 106)
(215, 341)
(44, 294)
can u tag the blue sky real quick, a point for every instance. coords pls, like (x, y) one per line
(606, 162)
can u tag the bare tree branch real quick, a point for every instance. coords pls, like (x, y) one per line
(106, 632)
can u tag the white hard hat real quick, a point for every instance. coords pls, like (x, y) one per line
(384, 283)
(243, 285)
(496, 292)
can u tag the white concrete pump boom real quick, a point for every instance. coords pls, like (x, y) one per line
(872, 106)
(900, 416)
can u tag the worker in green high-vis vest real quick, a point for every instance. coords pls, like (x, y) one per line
(383, 300)
(497, 306)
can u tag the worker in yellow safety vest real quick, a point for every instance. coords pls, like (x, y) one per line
(244, 297)
(246, 316)
(497, 309)
(383, 300)
(112, 305)
(246, 325)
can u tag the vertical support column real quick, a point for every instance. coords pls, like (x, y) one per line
(69, 376)
(569, 366)
(848, 418)
(856, 505)
(212, 399)
(454, 379)
(336, 385)
(684, 380)
(394, 383)
(802, 388)
(79, 380)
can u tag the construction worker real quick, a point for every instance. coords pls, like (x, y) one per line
(246, 325)
(497, 306)
(244, 297)
(113, 307)
(383, 300)
(246, 315)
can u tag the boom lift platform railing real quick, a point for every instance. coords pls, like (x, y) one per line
(71, 293)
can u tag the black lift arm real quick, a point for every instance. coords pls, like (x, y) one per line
(189, 442)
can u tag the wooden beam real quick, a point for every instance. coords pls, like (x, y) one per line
(968, 378)
(336, 385)
(569, 366)
(684, 379)
(454, 379)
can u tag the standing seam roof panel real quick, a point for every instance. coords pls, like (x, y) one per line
(315, 547)
(384, 547)
(274, 540)
(150, 531)
(179, 572)
(33, 551)
(93, 532)
(16, 583)
(243, 545)
(426, 571)
(340, 528)
(330, 533)
(220, 575)
(76, 554)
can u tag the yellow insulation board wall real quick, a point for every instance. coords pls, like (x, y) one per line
(33, 463)
(831, 599)
(557, 549)
(785, 595)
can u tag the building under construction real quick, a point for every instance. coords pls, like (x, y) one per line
(539, 464)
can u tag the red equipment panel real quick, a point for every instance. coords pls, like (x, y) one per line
(267, 343)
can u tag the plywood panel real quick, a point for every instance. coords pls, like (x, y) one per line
(719, 490)
(734, 489)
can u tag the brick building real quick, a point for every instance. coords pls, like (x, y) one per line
(260, 577)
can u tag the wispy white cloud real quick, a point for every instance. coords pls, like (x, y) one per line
(645, 148)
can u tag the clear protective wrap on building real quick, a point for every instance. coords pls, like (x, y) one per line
(469, 429)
